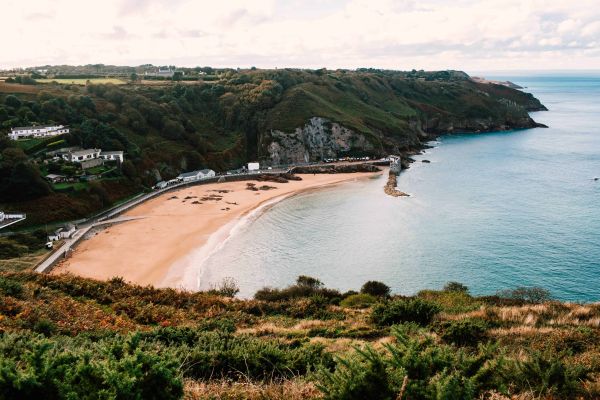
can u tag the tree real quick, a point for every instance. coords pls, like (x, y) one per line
(177, 76)
(133, 77)
(375, 288)
(308, 282)
(12, 101)
(455, 287)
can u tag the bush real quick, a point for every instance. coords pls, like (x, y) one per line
(361, 300)
(533, 294)
(10, 287)
(456, 287)
(375, 288)
(463, 332)
(413, 368)
(548, 374)
(305, 287)
(227, 288)
(410, 310)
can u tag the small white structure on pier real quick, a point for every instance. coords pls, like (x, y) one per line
(253, 166)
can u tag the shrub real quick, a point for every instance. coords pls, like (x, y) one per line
(361, 300)
(526, 294)
(413, 368)
(375, 288)
(227, 288)
(463, 332)
(10, 287)
(305, 287)
(411, 310)
(456, 287)
(547, 373)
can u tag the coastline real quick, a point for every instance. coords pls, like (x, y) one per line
(177, 228)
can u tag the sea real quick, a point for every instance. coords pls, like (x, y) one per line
(493, 211)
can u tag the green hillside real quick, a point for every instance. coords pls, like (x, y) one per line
(222, 120)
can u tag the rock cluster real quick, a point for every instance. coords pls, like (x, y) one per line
(390, 187)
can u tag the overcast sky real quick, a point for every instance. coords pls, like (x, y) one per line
(471, 35)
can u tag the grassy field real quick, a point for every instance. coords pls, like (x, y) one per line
(28, 144)
(66, 185)
(83, 82)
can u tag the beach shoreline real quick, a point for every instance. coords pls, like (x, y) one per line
(180, 227)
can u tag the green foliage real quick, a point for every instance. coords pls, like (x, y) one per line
(547, 374)
(227, 288)
(409, 310)
(360, 300)
(527, 294)
(10, 287)
(416, 367)
(31, 367)
(456, 287)
(375, 288)
(464, 332)
(305, 287)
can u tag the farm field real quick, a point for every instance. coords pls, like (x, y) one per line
(97, 81)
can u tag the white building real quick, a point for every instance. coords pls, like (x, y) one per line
(253, 166)
(65, 232)
(196, 175)
(79, 156)
(112, 156)
(37, 131)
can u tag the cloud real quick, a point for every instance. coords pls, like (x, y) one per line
(429, 34)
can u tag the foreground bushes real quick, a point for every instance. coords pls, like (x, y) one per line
(150, 365)
(417, 368)
(409, 310)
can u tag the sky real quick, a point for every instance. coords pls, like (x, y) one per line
(470, 35)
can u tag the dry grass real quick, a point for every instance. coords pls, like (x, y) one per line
(17, 88)
(83, 82)
(294, 389)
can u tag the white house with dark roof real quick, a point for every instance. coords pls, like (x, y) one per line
(196, 175)
(112, 156)
(37, 131)
(79, 156)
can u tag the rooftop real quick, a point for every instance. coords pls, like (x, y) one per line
(22, 128)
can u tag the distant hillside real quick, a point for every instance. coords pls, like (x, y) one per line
(223, 118)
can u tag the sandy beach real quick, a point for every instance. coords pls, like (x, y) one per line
(155, 249)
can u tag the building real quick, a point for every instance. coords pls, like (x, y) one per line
(37, 131)
(56, 178)
(81, 155)
(165, 73)
(65, 232)
(196, 175)
(112, 156)
(253, 166)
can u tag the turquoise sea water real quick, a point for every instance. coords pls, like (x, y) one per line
(493, 211)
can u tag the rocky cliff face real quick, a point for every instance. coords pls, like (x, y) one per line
(317, 140)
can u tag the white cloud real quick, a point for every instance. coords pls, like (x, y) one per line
(430, 34)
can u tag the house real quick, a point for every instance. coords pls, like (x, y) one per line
(56, 178)
(160, 185)
(166, 73)
(64, 232)
(196, 175)
(79, 156)
(112, 156)
(253, 166)
(37, 131)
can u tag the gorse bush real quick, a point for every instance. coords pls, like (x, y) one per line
(360, 300)
(417, 367)
(463, 332)
(409, 310)
(31, 367)
(546, 373)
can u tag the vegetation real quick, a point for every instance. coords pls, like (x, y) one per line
(220, 118)
(69, 337)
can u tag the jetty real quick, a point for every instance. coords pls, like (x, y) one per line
(7, 219)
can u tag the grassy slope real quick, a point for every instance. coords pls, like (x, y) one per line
(63, 307)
